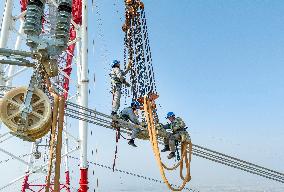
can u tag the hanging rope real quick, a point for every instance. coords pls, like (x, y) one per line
(186, 156)
(117, 137)
(52, 141)
(55, 142)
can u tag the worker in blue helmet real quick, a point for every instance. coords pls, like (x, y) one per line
(131, 114)
(178, 131)
(117, 80)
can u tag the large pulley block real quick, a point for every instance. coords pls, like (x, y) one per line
(38, 121)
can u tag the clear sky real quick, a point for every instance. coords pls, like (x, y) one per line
(218, 65)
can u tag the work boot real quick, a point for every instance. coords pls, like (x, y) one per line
(113, 113)
(171, 155)
(131, 142)
(166, 148)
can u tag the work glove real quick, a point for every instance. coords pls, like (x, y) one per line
(159, 126)
(136, 126)
(175, 129)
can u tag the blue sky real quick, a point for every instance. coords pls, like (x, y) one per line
(219, 65)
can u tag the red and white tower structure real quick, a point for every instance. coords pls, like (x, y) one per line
(13, 23)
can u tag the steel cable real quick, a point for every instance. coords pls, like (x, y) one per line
(197, 150)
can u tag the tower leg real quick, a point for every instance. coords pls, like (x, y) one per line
(83, 98)
(83, 180)
(67, 182)
(25, 184)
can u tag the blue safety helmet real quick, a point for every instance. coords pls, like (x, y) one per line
(135, 104)
(170, 114)
(114, 63)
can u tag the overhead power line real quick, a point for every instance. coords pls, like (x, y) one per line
(97, 118)
(131, 173)
(94, 117)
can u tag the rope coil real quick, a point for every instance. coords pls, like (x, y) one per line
(185, 158)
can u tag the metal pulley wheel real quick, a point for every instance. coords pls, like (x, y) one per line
(37, 135)
(38, 120)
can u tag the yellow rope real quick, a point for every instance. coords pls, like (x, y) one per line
(59, 143)
(56, 142)
(184, 151)
(52, 140)
(155, 147)
(172, 168)
(186, 160)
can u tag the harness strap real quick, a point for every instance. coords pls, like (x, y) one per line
(117, 137)
(178, 155)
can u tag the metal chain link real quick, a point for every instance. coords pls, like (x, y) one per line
(137, 48)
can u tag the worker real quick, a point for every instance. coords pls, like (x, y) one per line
(178, 129)
(117, 79)
(131, 114)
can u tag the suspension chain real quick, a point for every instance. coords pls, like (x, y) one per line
(137, 49)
